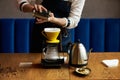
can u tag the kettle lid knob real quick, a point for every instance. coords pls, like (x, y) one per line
(78, 41)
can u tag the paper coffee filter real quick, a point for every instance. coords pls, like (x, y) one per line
(51, 29)
(111, 63)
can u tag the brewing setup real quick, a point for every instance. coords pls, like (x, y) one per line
(78, 57)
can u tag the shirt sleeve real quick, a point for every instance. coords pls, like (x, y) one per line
(20, 1)
(75, 13)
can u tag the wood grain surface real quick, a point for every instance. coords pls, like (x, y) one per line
(10, 69)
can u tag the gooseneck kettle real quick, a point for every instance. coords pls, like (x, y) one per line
(78, 56)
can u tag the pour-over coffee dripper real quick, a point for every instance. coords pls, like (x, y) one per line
(51, 34)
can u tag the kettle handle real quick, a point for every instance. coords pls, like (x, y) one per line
(69, 46)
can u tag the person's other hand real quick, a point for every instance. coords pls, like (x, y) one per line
(39, 20)
(40, 8)
(51, 18)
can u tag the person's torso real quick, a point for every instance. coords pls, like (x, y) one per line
(60, 8)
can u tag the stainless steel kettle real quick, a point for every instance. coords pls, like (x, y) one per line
(78, 56)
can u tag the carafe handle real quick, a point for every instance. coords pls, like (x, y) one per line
(44, 51)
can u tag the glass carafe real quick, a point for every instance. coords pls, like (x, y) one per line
(51, 52)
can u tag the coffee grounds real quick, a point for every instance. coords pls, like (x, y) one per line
(10, 71)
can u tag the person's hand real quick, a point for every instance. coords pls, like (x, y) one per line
(50, 19)
(39, 8)
(39, 20)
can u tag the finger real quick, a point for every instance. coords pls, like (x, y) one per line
(35, 6)
(38, 21)
(43, 8)
(39, 8)
(49, 19)
(51, 14)
(41, 21)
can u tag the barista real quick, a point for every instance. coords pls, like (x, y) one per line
(64, 14)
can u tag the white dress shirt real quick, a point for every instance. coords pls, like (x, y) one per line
(75, 12)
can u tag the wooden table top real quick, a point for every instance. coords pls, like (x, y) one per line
(10, 69)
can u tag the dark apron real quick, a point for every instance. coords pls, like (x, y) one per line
(60, 9)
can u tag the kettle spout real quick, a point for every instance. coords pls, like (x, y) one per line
(89, 52)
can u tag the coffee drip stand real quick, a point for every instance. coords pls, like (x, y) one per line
(51, 56)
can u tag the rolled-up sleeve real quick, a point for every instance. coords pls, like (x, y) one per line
(75, 13)
(22, 3)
